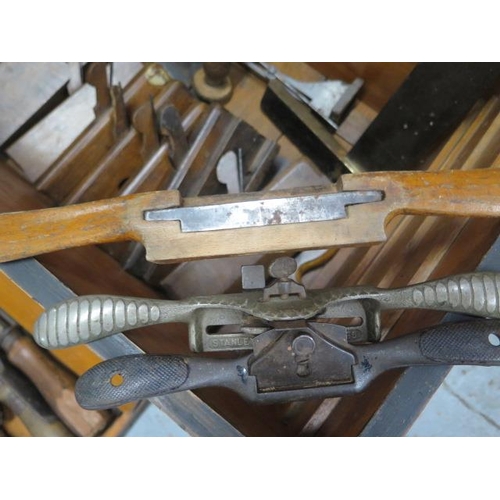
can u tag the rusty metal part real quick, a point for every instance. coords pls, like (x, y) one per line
(171, 127)
(284, 287)
(283, 267)
(323, 344)
(120, 116)
(212, 82)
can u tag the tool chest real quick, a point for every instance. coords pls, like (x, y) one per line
(94, 131)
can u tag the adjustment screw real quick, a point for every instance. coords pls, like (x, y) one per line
(303, 345)
(283, 267)
(212, 83)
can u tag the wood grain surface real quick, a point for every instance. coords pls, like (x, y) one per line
(472, 193)
(125, 159)
(89, 270)
(96, 140)
(418, 249)
(57, 385)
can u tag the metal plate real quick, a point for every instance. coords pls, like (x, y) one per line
(258, 213)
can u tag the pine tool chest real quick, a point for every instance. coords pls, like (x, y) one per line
(257, 249)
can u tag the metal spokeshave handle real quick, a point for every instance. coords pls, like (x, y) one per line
(129, 378)
(88, 318)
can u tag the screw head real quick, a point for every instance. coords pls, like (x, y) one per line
(303, 345)
(282, 267)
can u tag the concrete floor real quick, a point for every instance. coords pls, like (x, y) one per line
(152, 422)
(466, 404)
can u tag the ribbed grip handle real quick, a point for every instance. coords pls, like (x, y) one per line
(465, 343)
(85, 319)
(477, 294)
(129, 378)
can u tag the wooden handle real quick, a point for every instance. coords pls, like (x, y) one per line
(57, 386)
(25, 234)
(21, 397)
(13, 425)
(457, 193)
(473, 193)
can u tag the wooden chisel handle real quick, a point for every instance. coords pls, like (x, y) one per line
(21, 397)
(55, 383)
